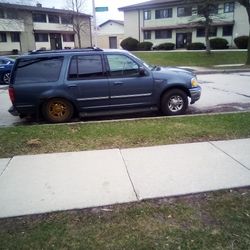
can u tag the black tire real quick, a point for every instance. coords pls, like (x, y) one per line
(174, 102)
(6, 78)
(57, 110)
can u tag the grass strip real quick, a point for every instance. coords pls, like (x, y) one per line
(219, 220)
(37, 139)
(200, 59)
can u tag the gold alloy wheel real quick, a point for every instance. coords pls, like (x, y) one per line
(58, 110)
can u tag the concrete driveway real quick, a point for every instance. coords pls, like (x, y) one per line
(220, 92)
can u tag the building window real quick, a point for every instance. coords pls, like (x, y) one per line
(66, 19)
(147, 14)
(1, 14)
(41, 37)
(15, 37)
(147, 35)
(200, 32)
(161, 34)
(184, 11)
(229, 7)
(163, 13)
(227, 30)
(68, 37)
(53, 19)
(213, 9)
(213, 31)
(39, 18)
(11, 14)
(3, 37)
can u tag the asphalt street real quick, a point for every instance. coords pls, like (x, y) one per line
(220, 93)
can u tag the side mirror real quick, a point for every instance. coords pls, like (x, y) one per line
(142, 71)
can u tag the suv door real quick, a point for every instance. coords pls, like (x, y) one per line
(87, 81)
(128, 87)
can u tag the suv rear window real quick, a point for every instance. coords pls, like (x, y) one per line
(34, 70)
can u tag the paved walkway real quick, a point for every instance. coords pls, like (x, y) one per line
(51, 182)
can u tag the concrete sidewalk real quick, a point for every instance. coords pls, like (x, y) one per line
(52, 182)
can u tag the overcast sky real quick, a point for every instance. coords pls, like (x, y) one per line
(113, 13)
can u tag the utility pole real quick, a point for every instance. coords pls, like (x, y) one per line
(94, 24)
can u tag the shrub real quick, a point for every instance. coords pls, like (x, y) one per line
(129, 43)
(165, 46)
(145, 46)
(14, 51)
(196, 46)
(241, 42)
(218, 43)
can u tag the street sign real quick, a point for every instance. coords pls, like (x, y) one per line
(101, 9)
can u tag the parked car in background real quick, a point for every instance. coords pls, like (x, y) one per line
(87, 82)
(6, 65)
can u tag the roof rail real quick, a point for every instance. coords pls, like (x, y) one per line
(41, 51)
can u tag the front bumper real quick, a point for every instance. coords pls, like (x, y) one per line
(195, 94)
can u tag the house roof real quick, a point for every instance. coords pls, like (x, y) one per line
(149, 4)
(111, 20)
(39, 9)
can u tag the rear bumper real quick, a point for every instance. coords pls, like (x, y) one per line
(195, 94)
(12, 110)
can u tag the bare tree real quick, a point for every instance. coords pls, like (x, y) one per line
(246, 4)
(205, 15)
(77, 7)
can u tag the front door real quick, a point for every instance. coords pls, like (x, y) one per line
(113, 42)
(127, 86)
(183, 39)
(55, 41)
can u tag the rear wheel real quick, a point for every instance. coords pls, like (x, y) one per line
(174, 102)
(57, 110)
(6, 78)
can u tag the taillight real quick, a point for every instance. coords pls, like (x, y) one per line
(12, 94)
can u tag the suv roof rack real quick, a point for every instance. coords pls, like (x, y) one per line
(41, 51)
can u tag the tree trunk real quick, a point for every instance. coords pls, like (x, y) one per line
(248, 51)
(79, 39)
(208, 49)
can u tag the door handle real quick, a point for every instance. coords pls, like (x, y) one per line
(118, 83)
(72, 86)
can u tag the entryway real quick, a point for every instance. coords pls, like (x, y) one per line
(113, 42)
(55, 41)
(183, 39)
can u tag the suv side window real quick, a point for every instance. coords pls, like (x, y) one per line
(122, 66)
(85, 67)
(35, 70)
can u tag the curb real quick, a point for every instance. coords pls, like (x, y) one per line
(224, 71)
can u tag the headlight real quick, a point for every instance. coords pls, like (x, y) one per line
(194, 82)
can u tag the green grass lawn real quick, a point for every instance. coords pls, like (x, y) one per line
(193, 58)
(122, 134)
(219, 220)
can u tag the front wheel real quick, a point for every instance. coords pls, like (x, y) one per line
(57, 110)
(174, 102)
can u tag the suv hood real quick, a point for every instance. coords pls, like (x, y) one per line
(172, 70)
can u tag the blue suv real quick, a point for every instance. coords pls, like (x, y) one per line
(85, 82)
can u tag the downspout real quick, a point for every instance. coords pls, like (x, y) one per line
(90, 30)
(139, 25)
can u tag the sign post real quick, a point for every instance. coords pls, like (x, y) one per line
(96, 9)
